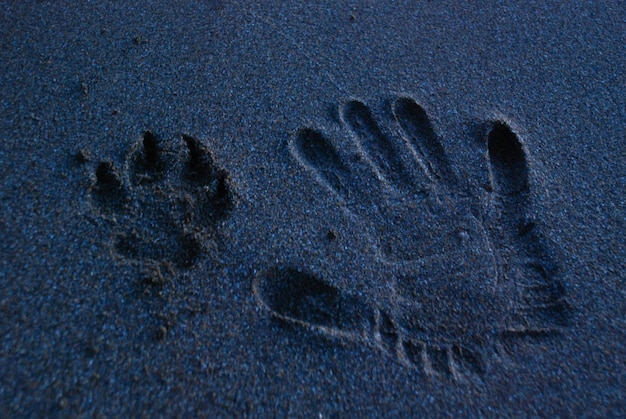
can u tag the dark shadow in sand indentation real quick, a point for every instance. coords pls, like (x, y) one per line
(109, 190)
(317, 152)
(211, 184)
(200, 164)
(151, 151)
(302, 298)
(379, 148)
(415, 353)
(421, 135)
(541, 295)
(107, 178)
(147, 164)
(509, 169)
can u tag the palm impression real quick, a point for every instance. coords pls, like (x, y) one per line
(475, 268)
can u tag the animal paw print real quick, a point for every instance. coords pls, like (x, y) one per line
(474, 269)
(166, 203)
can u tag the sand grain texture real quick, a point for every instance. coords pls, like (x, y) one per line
(379, 209)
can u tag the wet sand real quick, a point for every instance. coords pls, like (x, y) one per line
(386, 210)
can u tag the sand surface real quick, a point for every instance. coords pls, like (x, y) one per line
(378, 209)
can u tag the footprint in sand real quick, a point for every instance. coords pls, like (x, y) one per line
(166, 203)
(477, 271)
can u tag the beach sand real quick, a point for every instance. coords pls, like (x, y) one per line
(379, 209)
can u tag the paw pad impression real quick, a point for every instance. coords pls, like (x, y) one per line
(166, 203)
